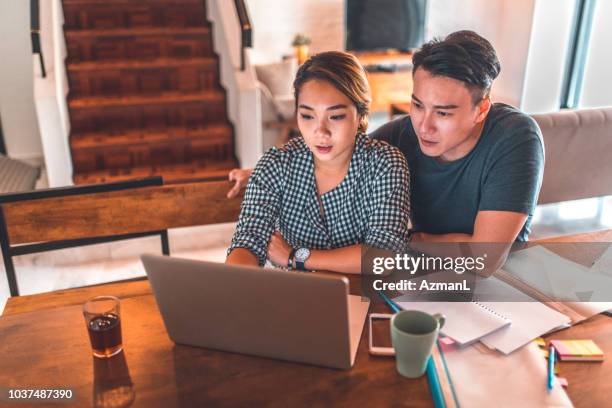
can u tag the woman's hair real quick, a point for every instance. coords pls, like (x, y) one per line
(345, 73)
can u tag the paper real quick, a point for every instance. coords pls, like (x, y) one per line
(466, 322)
(604, 263)
(530, 318)
(486, 379)
(562, 280)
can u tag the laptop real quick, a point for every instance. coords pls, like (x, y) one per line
(300, 317)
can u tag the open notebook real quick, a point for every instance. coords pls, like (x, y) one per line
(505, 326)
(530, 318)
(466, 322)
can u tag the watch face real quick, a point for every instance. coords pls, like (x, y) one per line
(302, 254)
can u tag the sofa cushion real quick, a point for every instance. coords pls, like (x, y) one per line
(278, 77)
(578, 145)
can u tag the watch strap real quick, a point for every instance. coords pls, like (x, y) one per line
(290, 260)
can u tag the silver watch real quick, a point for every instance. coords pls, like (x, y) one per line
(301, 255)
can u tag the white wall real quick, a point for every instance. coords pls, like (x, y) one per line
(243, 96)
(50, 97)
(548, 49)
(19, 122)
(275, 23)
(597, 86)
(506, 24)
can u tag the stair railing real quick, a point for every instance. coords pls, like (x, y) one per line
(35, 34)
(246, 38)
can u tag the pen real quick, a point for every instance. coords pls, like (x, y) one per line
(551, 368)
(434, 384)
(388, 301)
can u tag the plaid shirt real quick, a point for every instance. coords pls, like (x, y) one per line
(370, 206)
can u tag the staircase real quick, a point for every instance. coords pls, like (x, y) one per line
(145, 97)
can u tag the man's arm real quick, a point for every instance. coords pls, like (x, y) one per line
(241, 178)
(494, 234)
(489, 226)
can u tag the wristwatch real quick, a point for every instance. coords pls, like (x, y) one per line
(290, 260)
(301, 255)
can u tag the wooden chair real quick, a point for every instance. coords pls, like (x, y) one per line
(74, 216)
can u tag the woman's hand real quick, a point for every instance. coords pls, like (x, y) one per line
(241, 177)
(278, 250)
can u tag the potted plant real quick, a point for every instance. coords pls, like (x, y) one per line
(301, 43)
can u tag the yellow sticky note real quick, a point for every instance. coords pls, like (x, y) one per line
(540, 342)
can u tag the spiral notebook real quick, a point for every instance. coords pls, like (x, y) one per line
(466, 322)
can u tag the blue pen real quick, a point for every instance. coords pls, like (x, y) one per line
(551, 368)
(434, 384)
(388, 301)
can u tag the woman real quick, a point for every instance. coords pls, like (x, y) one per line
(313, 203)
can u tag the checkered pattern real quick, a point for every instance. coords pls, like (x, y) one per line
(370, 206)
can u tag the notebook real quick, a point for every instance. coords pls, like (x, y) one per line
(529, 317)
(577, 350)
(466, 322)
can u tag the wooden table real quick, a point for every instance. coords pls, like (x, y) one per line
(44, 343)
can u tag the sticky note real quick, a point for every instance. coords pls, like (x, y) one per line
(447, 341)
(578, 350)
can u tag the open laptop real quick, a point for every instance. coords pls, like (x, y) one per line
(300, 317)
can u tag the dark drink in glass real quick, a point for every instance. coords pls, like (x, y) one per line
(103, 325)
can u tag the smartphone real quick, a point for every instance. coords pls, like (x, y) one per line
(377, 323)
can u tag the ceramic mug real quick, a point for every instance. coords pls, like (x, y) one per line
(413, 334)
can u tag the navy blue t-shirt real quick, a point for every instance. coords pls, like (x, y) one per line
(502, 173)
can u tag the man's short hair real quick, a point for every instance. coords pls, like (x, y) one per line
(464, 56)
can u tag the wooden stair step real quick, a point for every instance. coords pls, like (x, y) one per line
(138, 43)
(143, 77)
(92, 14)
(96, 102)
(162, 111)
(135, 32)
(216, 134)
(130, 2)
(176, 173)
(160, 148)
(157, 63)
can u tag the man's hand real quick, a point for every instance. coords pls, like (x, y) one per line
(278, 250)
(241, 177)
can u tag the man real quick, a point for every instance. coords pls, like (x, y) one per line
(476, 167)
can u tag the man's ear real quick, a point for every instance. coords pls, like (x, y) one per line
(484, 106)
